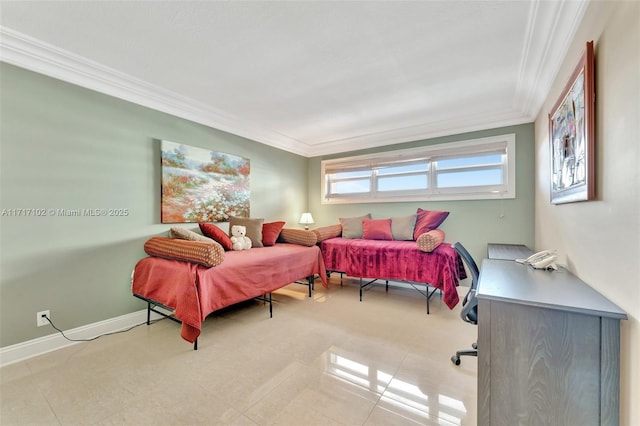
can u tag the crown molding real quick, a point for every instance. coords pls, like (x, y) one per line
(420, 132)
(35, 55)
(550, 31)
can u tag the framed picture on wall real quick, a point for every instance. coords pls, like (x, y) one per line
(202, 185)
(572, 135)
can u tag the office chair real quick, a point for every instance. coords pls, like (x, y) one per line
(470, 303)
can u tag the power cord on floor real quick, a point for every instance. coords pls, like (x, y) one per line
(100, 335)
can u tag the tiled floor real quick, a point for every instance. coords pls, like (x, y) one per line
(328, 360)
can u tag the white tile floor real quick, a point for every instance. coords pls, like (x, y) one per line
(326, 360)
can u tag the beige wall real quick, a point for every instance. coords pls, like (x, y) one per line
(600, 240)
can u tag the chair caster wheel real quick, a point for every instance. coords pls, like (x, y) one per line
(455, 359)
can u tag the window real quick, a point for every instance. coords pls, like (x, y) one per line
(466, 170)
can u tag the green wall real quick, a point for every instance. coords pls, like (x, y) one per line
(65, 147)
(474, 223)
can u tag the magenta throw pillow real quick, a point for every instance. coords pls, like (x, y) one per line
(376, 229)
(428, 220)
(270, 232)
(215, 233)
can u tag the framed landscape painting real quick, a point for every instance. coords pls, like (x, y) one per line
(572, 135)
(200, 185)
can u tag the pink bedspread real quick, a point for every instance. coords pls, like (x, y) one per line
(194, 291)
(396, 260)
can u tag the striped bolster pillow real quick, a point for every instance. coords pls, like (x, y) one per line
(301, 237)
(202, 253)
(428, 241)
(326, 232)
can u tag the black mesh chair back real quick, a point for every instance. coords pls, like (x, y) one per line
(469, 311)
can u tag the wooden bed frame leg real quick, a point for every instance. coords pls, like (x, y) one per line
(361, 289)
(310, 280)
(270, 307)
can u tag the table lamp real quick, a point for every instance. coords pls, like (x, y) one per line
(306, 219)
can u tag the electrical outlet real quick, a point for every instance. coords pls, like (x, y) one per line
(40, 318)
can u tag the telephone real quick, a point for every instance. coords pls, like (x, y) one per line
(545, 259)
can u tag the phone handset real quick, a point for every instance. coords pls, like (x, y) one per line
(545, 259)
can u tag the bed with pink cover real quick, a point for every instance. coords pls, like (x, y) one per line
(194, 291)
(402, 261)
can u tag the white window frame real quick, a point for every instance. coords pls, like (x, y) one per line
(505, 144)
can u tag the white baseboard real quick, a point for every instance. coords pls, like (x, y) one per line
(31, 348)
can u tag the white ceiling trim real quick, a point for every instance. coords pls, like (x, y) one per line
(41, 57)
(550, 30)
(556, 23)
(420, 132)
(35, 55)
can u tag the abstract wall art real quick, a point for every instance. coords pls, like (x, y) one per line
(572, 135)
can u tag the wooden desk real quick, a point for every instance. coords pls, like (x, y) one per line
(548, 348)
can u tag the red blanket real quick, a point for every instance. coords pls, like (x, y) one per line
(195, 291)
(397, 260)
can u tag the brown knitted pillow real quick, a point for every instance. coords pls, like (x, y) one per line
(326, 232)
(429, 241)
(202, 253)
(301, 237)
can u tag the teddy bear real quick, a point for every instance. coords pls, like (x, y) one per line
(239, 238)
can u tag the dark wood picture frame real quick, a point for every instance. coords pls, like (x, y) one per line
(572, 135)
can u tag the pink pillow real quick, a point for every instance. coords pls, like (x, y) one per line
(376, 229)
(428, 220)
(212, 231)
(270, 232)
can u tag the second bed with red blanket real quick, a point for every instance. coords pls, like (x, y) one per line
(397, 260)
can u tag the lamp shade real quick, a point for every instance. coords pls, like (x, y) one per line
(306, 219)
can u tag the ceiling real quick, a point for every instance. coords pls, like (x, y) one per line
(310, 77)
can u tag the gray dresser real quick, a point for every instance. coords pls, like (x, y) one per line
(548, 348)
